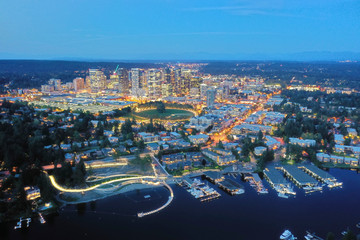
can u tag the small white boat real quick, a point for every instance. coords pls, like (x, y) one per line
(240, 191)
(307, 188)
(287, 235)
(282, 195)
(41, 218)
(263, 191)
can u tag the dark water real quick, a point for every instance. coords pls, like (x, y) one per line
(247, 216)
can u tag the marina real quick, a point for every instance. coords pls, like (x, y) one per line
(300, 178)
(321, 175)
(214, 177)
(278, 182)
(255, 182)
(199, 190)
(231, 187)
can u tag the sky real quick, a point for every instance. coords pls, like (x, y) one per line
(176, 29)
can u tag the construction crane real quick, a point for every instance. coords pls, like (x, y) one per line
(115, 72)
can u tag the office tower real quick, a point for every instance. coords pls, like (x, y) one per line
(134, 76)
(87, 82)
(167, 75)
(203, 88)
(195, 82)
(56, 83)
(172, 82)
(210, 97)
(186, 75)
(154, 78)
(166, 90)
(138, 82)
(78, 84)
(124, 80)
(97, 80)
(114, 83)
(226, 91)
(177, 82)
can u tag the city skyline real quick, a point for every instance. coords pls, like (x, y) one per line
(136, 30)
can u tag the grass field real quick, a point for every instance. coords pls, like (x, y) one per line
(170, 114)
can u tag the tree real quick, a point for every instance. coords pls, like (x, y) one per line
(161, 107)
(79, 173)
(141, 145)
(260, 136)
(347, 141)
(330, 236)
(126, 127)
(220, 145)
(349, 236)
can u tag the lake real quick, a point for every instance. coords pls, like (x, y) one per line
(247, 216)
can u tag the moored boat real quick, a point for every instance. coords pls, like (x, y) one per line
(287, 235)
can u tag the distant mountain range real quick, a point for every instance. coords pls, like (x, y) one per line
(204, 56)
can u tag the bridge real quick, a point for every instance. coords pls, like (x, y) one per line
(171, 197)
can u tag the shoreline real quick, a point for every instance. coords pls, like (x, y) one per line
(95, 195)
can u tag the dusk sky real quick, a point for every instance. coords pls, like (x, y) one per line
(170, 29)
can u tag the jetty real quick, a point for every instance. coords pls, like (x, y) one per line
(321, 175)
(230, 186)
(299, 177)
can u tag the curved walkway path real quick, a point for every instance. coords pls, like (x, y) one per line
(171, 197)
(74, 190)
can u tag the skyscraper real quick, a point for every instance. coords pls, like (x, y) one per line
(124, 80)
(203, 88)
(78, 84)
(56, 83)
(154, 78)
(137, 82)
(210, 97)
(97, 80)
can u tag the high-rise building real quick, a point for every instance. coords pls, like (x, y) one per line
(124, 80)
(78, 84)
(165, 89)
(154, 79)
(97, 80)
(210, 97)
(114, 83)
(177, 91)
(134, 76)
(56, 83)
(203, 88)
(137, 76)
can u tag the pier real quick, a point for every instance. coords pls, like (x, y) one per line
(299, 177)
(171, 197)
(317, 173)
(214, 177)
(255, 182)
(230, 186)
(275, 178)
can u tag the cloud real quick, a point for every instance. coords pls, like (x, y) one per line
(274, 8)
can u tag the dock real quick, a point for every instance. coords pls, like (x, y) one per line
(230, 186)
(299, 177)
(214, 177)
(275, 178)
(256, 182)
(317, 173)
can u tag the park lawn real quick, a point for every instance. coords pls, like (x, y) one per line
(170, 114)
